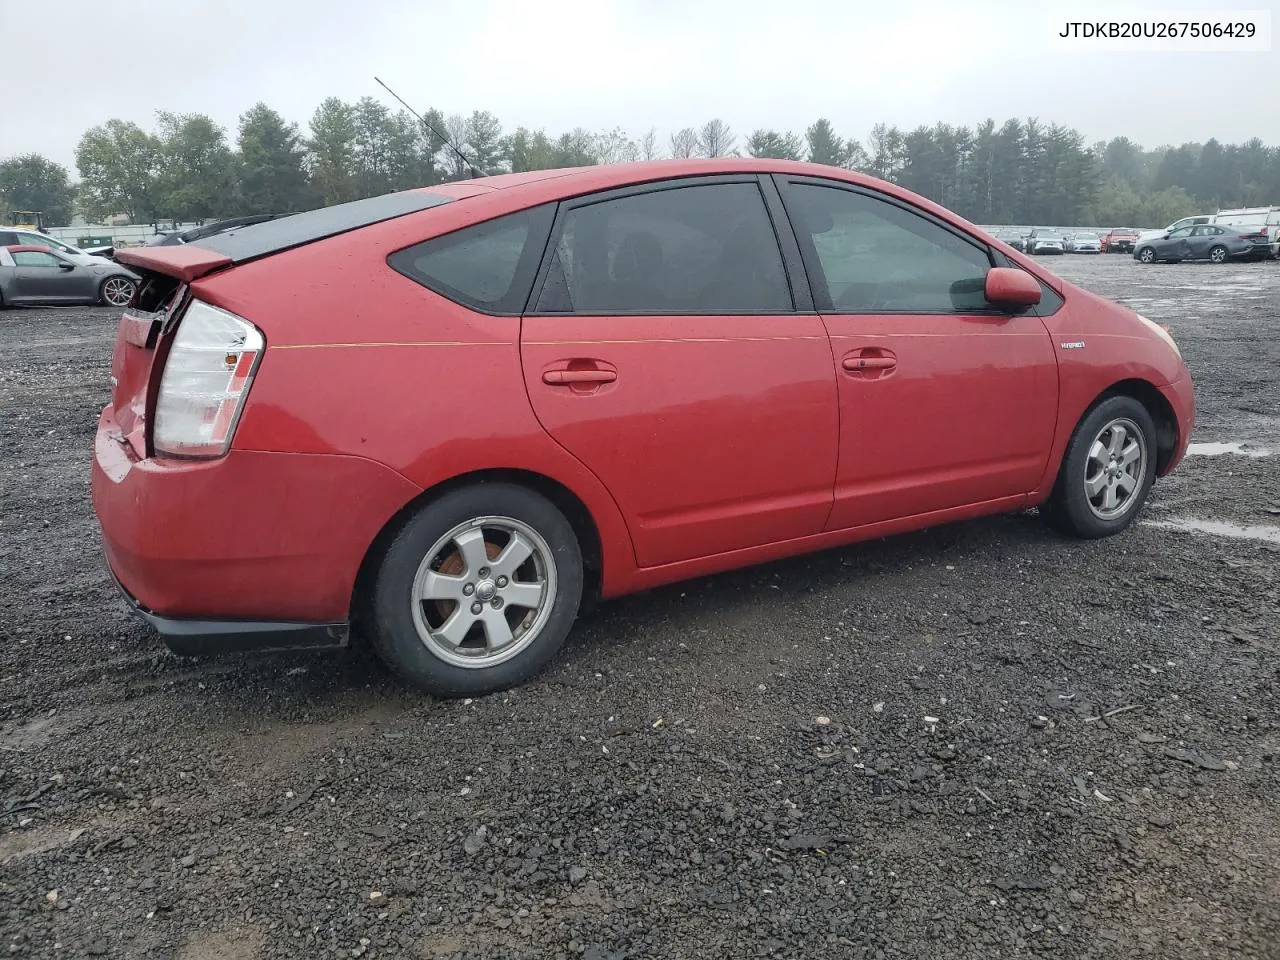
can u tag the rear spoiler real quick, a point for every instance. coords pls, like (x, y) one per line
(186, 263)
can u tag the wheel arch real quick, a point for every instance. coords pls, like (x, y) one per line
(1149, 395)
(585, 526)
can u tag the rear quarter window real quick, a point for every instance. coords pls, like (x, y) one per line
(488, 267)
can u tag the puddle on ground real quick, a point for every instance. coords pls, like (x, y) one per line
(1219, 528)
(1245, 449)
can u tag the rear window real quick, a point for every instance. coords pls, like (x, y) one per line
(273, 236)
(489, 266)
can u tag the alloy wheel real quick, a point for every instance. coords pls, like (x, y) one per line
(484, 591)
(117, 291)
(1115, 468)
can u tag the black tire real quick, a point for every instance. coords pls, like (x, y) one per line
(1069, 507)
(395, 619)
(1218, 254)
(104, 299)
(1147, 255)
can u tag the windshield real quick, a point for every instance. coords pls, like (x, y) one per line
(39, 239)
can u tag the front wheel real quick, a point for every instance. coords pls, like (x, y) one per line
(1218, 254)
(1107, 472)
(116, 291)
(1147, 255)
(478, 591)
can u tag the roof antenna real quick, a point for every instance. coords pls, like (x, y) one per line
(449, 143)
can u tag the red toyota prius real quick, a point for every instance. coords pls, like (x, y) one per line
(449, 414)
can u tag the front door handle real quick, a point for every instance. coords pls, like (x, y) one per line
(869, 363)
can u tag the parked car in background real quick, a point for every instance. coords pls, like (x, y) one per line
(1259, 224)
(1011, 237)
(1082, 243)
(175, 237)
(537, 459)
(1204, 241)
(13, 237)
(1046, 244)
(1193, 221)
(1120, 240)
(32, 275)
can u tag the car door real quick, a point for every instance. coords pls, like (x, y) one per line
(944, 401)
(1201, 239)
(1177, 245)
(665, 349)
(37, 275)
(76, 283)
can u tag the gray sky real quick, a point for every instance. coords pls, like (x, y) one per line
(630, 63)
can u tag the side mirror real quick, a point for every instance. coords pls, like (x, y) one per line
(1011, 287)
(63, 265)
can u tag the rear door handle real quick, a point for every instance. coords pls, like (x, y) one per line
(854, 364)
(559, 378)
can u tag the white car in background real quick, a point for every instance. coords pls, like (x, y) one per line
(1250, 219)
(1193, 221)
(13, 236)
(1048, 245)
(1083, 243)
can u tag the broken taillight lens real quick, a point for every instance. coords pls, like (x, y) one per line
(206, 380)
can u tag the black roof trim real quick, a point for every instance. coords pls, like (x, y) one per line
(284, 233)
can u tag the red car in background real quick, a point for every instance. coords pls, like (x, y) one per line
(1120, 240)
(449, 414)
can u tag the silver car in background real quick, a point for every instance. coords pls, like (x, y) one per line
(1047, 245)
(1083, 243)
(39, 275)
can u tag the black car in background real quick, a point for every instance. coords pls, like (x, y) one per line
(209, 229)
(1012, 238)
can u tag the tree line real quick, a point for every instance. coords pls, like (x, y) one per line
(1023, 171)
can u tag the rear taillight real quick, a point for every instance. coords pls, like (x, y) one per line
(205, 382)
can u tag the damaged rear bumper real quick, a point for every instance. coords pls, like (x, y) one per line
(190, 637)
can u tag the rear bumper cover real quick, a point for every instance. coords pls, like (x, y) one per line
(255, 550)
(190, 637)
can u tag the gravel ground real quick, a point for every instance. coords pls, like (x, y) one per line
(981, 741)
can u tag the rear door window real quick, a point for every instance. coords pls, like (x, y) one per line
(704, 249)
(488, 267)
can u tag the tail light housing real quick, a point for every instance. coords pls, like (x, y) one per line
(206, 380)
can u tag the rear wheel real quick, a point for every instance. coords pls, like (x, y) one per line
(1107, 472)
(478, 591)
(1218, 254)
(1147, 255)
(116, 291)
